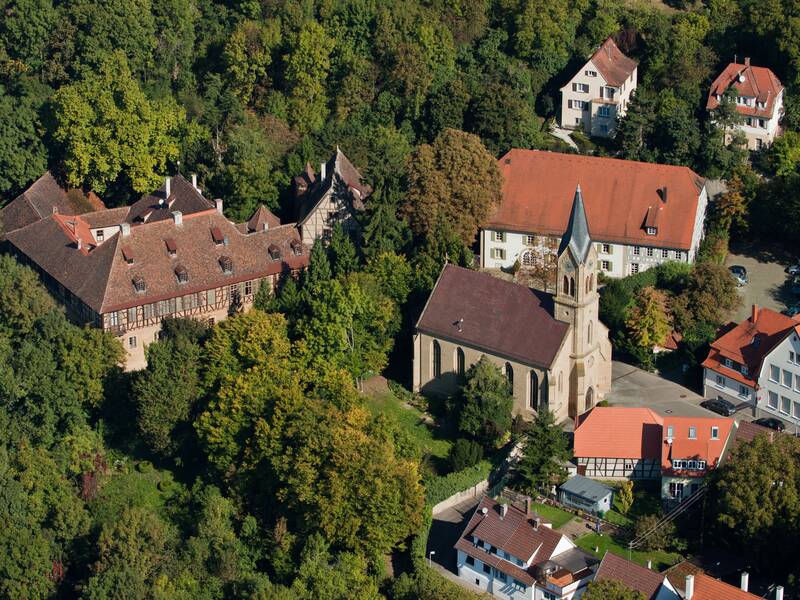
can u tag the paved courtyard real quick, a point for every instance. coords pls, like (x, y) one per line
(631, 386)
(767, 286)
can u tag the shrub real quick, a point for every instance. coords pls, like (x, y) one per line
(442, 488)
(465, 453)
(165, 485)
(659, 539)
(144, 466)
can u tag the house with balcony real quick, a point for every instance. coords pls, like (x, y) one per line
(513, 555)
(759, 101)
(599, 92)
(641, 214)
(756, 363)
(171, 254)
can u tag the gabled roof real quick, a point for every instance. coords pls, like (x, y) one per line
(577, 237)
(586, 488)
(756, 82)
(749, 342)
(617, 195)
(612, 64)
(703, 447)
(262, 219)
(708, 588)
(633, 576)
(747, 432)
(183, 197)
(45, 197)
(494, 316)
(515, 533)
(618, 432)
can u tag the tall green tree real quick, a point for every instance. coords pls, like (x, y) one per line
(307, 67)
(545, 450)
(23, 157)
(649, 321)
(486, 403)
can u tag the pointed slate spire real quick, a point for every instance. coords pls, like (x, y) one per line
(577, 236)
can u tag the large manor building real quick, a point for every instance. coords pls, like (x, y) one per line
(553, 349)
(171, 254)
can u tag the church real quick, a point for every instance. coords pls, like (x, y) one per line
(553, 348)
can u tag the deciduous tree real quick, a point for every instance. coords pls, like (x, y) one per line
(611, 589)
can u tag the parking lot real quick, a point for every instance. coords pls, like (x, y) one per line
(768, 285)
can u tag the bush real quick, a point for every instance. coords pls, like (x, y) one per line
(465, 453)
(442, 488)
(660, 539)
(144, 466)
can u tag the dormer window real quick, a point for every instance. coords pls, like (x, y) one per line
(99, 235)
(181, 274)
(227, 264)
(127, 254)
(651, 230)
(297, 247)
(274, 252)
(172, 247)
(216, 235)
(745, 370)
(139, 285)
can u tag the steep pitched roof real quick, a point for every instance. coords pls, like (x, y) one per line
(702, 447)
(618, 432)
(183, 197)
(45, 197)
(262, 219)
(633, 576)
(617, 195)
(577, 237)
(613, 65)
(499, 317)
(749, 342)
(753, 82)
(747, 432)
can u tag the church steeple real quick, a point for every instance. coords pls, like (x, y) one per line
(576, 237)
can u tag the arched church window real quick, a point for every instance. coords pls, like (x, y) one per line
(545, 393)
(437, 359)
(533, 400)
(561, 381)
(460, 361)
(566, 285)
(528, 260)
(591, 282)
(572, 287)
(589, 333)
(510, 376)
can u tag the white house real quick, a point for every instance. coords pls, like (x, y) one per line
(757, 363)
(599, 92)
(640, 214)
(759, 101)
(512, 555)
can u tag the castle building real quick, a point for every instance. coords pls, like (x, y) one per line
(552, 348)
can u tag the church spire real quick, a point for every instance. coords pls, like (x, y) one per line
(576, 237)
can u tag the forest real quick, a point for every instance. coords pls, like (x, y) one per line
(243, 462)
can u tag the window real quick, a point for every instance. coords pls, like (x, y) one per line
(676, 489)
(665, 254)
(248, 288)
(787, 378)
(774, 373)
(715, 433)
(670, 432)
(528, 259)
(578, 104)
(147, 309)
(470, 561)
(796, 410)
(797, 383)
(637, 250)
(211, 297)
(791, 356)
(487, 568)
(510, 376)
(604, 111)
(189, 301)
(132, 316)
(530, 240)
(99, 236)
(729, 363)
(500, 575)
(720, 381)
(605, 265)
(549, 596)
(678, 464)
(590, 73)
(437, 359)
(132, 342)
(772, 401)
(113, 319)
(580, 87)
(762, 123)
(607, 248)
(692, 433)
(520, 585)
(743, 391)
(498, 236)
(181, 274)
(460, 361)
(577, 120)
(785, 404)
(499, 253)
(745, 370)
(650, 252)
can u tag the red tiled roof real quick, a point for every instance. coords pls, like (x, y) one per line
(634, 576)
(618, 194)
(703, 447)
(262, 219)
(313, 188)
(613, 65)
(747, 432)
(708, 588)
(759, 82)
(749, 342)
(618, 432)
(500, 317)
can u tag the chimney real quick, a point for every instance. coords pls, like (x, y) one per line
(177, 216)
(536, 524)
(168, 187)
(503, 510)
(55, 210)
(78, 243)
(528, 507)
(322, 169)
(779, 593)
(194, 180)
(649, 565)
(746, 64)
(745, 581)
(754, 314)
(125, 229)
(218, 204)
(689, 587)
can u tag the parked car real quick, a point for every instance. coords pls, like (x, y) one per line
(720, 406)
(771, 423)
(793, 270)
(739, 273)
(792, 310)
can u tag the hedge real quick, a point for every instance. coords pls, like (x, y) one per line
(442, 488)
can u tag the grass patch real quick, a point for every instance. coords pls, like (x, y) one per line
(551, 514)
(661, 558)
(425, 436)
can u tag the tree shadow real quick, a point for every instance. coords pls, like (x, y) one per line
(764, 250)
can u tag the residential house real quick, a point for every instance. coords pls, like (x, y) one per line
(641, 214)
(586, 494)
(552, 347)
(45, 197)
(759, 101)
(756, 363)
(652, 585)
(704, 587)
(614, 442)
(512, 555)
(125, 269)
(334, 195)
(599, 92)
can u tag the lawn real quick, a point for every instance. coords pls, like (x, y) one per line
(661, 559)
(553, 515)
(646, 501)
(424, 435)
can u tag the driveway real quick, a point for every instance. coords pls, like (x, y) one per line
(768, 285)
(563, 135)
(447, 526)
